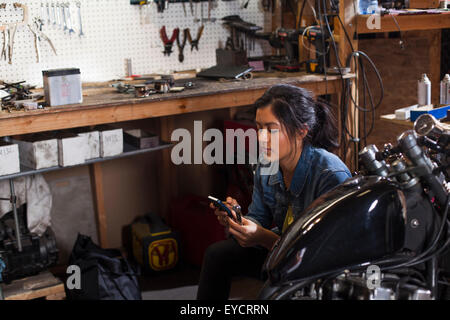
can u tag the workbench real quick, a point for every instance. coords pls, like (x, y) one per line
(104, 105)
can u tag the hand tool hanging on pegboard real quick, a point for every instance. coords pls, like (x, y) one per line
(168, 43)
(11, 28)
(181, 44)
(191, 5)
(194, 42)
(80, 22)
(38, 37)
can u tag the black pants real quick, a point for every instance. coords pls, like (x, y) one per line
(222, 261)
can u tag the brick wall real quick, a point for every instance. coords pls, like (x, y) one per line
(400, 70)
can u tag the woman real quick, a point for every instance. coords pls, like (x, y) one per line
(306, 131)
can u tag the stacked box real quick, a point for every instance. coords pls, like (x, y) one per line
(93, 142)
(37, 151)
(111, 141)
(71, 149)
(141, 139)
(9, 158)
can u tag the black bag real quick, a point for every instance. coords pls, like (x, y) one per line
(105, 274)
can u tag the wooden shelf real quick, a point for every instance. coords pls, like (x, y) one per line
(406, 22)
(127, 152)
(44, 285)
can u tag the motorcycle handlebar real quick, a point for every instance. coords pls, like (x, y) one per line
(410, 147)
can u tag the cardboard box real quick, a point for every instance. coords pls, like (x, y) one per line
(438, 113)
(405, 113)
(111, 141)
(71, 149)
(9, 158)
(141, 139)
(93, 142)
(37, 151)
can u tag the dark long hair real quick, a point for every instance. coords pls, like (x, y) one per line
(296, 109)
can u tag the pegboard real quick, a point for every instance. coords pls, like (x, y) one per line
(114, 31)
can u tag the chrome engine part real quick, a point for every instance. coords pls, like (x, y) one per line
(355, 287)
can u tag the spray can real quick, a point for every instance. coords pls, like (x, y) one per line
(445, 90)
(128, 68)
(424, 91)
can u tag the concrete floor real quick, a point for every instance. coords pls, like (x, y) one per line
(182, 284)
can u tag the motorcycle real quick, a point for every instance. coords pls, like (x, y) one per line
(384, 234)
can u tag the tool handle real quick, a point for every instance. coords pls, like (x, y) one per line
(200, 32)
(163, 34)
(188, 34)
(174, 35)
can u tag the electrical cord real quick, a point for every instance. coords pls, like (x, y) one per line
(347, 91)
(323, 56)
(434, 254)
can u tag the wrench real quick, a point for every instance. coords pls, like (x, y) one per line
(58, 15)
(69, 19)
(53, 14)
(48, 13)
(42, 18)
(79, 19)
(64, 17)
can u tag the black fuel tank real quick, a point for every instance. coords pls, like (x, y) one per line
(362, 220)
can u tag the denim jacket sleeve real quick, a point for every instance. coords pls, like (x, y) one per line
(259, 212)
(330, 179)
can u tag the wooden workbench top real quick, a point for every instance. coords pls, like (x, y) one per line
(103, 95)
(103, 104)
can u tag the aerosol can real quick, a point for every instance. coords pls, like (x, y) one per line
(424, 91)
(445, 90)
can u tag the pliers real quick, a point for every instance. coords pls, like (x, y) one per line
(168, 43)
(40, 36)
(194, 42)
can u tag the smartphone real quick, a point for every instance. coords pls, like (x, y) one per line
(220, 205)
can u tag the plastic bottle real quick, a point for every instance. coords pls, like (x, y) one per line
(373, 7)
(445, 90)
(424, 91)
(362, 6)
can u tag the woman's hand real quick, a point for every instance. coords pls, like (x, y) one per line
(222, 216)
(251, 234)
(247, 234)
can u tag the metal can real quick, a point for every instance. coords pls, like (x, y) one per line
(128, 68)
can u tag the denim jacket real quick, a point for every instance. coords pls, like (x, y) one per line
(317, 172)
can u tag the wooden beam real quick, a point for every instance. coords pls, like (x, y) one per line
(167, 171)
(406, 22)
(96, 175)
(348, 16)
(435, 64)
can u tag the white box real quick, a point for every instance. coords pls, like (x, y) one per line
(93, 144)
(111, 142)
(405, 113)
(9, 158)
(38, 151)
(71, 149)
(62, 87)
